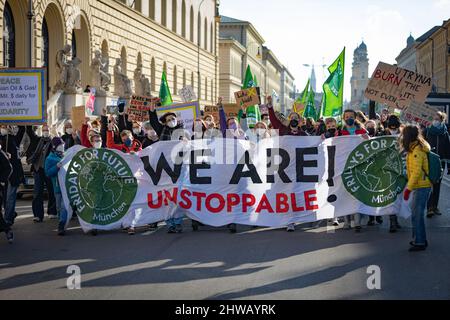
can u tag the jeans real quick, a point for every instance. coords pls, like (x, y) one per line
(10, 204)
(38, 195)
(433, 202)
(172, 222)
(62, 212)
(419, 203)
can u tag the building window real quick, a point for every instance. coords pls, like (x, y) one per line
(174, 15)
(191, 20)
(206, 34)
(206, 88)
(164, 13)
(175, 80)
(199, 30)
(199, 86)
(9, 52)
(184, 78)
(183, 19)
(74, 44)
(192, 80)
(212, 90)
(212, 38)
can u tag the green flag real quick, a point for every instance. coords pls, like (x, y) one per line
(333, 89)
(255, 81)
(310, 109)
(248, 81)
(164, 91)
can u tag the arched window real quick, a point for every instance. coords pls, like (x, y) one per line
(74, 44)
(174, 15)
(184, 78)
(212, 90)
(153, 74)
(151, 9)
(175, 80)
(192, 80)
(191, 20)
(206, 88)
(164, 13)
(9, 52)
(199, 30)
(206, 35)
(183, 19)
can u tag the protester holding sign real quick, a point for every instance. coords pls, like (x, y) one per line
(37, 162)
(70, 136)
(292, 130)
(419, 186)
(230, 127)
(10, 142)
(438, 138)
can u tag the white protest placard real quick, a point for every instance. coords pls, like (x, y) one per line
(22, 96)
(187, 94)
(397, 87)
(420, 113)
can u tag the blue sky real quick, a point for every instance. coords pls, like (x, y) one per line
(301, 31)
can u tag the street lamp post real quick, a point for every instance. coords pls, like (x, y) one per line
(199, 41)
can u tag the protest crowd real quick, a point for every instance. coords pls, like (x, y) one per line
(120, 132)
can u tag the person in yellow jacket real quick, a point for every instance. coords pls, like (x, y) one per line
(419, 186)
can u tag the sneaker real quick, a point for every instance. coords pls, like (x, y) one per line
(412, 244)
(379, 220)
(430, 213)
(393, 228)
(232, 228)
(131, 231)
(61, 232)
(195, 225)
(171, 229)
(358, 229)
(153, 226)
(371, 222)
(437, 212)
(417, 248)
(52, 217)
(38, 220)
(290, 227)
(10, 236)
(178, 228)
(336, 223)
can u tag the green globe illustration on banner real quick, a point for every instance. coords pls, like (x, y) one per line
(101, 185)
(374, 172)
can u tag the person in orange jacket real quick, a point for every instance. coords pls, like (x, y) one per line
(128, 145)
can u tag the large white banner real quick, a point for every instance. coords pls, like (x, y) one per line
(217, 182)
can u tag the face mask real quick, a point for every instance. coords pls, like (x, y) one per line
(152, 135)
(293, 124)
(45, 134)
(208, 123)
(198, 126)
(128, 142)
(260, 132)
(371, 131)
(350, 122)
(266, 121)
(3, 132)
(233, 126)
(136, 131)
(172, 124)
(436, 123)
(69, 130)
(97, 145)
(60, 148)
(393, 130)
(332, 131)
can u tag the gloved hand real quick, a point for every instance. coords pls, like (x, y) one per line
(406, 194)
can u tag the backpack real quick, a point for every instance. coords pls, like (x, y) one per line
(435, 169)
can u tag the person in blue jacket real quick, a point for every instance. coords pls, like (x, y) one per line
(52, 166)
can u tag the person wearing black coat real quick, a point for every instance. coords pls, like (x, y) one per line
(439, 139)
(70, 137)
(5, 172)
(11, 145)
(37, 161)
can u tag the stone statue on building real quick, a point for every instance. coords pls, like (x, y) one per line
(122, 85)
(101, 79)
(141, 83)
(69, 73)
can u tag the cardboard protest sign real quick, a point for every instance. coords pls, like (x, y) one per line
(230, 109)
(186, 113)
(248, 97)
(397, 87)
(23, 96)
(139, 107)
(419, 113)
(78, 116)
(187, 94)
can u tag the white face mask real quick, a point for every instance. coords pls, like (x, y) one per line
(172, 124)
(198, 126)
(45, 134)
(69, 130)
(436, 123)
(152, 135)
(97, 145)
(3, 132)
(60, 148)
